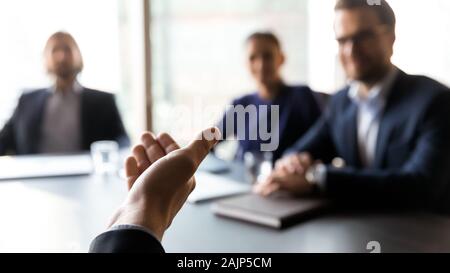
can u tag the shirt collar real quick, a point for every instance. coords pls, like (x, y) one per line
(76, 88)
(378, 93)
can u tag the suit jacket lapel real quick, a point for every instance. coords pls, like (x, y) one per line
(384, 133)
(84, 118)
(37, 120)
(349, 133)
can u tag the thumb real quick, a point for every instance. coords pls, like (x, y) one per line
(203, 143)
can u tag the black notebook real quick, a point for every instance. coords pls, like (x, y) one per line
(277, 211)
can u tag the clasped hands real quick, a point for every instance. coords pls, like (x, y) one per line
(289, 175)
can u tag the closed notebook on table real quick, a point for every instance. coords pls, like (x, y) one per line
(277, 211)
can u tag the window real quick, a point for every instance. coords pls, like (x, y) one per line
(199, 55)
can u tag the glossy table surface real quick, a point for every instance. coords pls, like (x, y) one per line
(65, 214)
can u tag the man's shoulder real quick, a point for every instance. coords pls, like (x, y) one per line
(96, 98)
(32, 98)
(340, 98)
(423, 85)
(94, 93)
(418, 91)
(411, 86)
(33, 93)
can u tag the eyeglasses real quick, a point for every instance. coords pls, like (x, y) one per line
(364, 36)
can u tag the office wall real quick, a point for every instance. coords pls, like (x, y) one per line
(109, 34)
(199, 55)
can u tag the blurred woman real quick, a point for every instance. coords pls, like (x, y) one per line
(298, 107)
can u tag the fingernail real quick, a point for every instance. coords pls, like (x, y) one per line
(212, 134)
(146, 140)
(162, 138)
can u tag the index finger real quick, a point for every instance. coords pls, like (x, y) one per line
(202, 145)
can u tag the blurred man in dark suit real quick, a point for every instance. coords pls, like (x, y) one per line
(67, 117)
(384, 139)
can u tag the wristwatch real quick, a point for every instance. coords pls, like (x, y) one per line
(316, 175)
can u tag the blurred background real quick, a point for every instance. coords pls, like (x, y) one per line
(159, 54)
(174, 65)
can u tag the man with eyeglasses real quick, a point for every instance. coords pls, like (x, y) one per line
(384, 139)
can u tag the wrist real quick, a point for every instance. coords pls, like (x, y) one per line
(137, 215)
(316, 176)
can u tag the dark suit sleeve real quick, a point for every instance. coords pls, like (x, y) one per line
(7, 134)
(317, 141)
(7, 138)
(126, 241)
(421, 181)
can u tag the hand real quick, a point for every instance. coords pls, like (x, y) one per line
(294, 164)
(292, 183)
(147, 153)
(160, 178)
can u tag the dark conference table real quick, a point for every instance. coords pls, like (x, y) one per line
(65, 214)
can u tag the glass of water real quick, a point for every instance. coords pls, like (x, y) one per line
(105, 156)
(258, 166)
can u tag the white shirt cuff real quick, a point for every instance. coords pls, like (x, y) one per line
(132, 227)
(321, 176)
